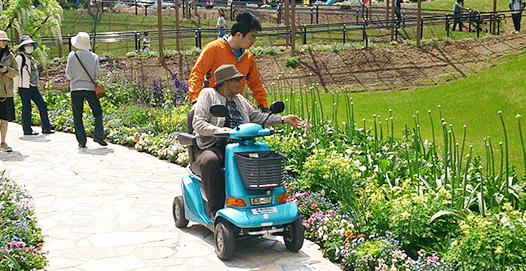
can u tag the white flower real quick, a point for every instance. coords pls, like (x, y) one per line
(325, 237)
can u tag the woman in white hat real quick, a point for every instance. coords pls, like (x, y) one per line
(8, 71)
(83, 64)
(27, 87)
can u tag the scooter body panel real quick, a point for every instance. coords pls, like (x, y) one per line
(253, 216)
(194, 208)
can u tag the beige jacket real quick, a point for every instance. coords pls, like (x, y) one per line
(6, 79)
(204, 123)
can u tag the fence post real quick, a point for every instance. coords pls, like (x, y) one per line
(344, 33)
(278, 15)
(478, 25)
(364, 35)
(304, 34)
(135, 1)
(447, 26)
(196, 35)
(69, 42)
(357, 15)
(102, 6)
(317, 13)
(311, 15)
(232, 11)
(200, 41)
(136, 41)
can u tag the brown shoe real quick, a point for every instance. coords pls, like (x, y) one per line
(48, 131)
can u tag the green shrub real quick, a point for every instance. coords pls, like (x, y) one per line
(495, 242)
(292, 61)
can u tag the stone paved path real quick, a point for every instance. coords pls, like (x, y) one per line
(109, 208)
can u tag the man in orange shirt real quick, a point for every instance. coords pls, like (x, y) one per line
(231, 50)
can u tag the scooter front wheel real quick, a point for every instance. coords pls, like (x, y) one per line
(294, 235)
(224, 241)
(178, 212)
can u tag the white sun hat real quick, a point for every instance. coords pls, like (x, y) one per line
(81, 41)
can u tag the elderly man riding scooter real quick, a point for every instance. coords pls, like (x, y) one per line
(210, 155)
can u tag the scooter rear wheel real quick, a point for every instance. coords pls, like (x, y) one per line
(224, 241)
(178, 212)
(294, 235)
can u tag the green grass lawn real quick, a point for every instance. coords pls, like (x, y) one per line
(473, 101)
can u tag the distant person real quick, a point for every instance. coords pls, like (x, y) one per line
(516, 7)
(83, 64)
(233, 50)
(457, 14)
(146, 42)
(221, 23)
(9, 70)
(397, 10)
(26, 83)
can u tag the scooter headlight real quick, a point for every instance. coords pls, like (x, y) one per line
(261, 201)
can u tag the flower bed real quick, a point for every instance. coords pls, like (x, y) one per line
(20, 237)
(374, 202)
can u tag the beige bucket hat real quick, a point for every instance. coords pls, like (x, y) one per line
(81, 41)
(3, 36)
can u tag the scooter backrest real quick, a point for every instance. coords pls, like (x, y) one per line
(189, 120)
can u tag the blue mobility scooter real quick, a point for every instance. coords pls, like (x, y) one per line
(256, 200)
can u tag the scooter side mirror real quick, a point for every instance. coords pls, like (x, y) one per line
(219, 110)
(277, 107)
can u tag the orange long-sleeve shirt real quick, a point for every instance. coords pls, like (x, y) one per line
(217, 53)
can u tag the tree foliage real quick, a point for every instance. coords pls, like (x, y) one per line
(26, 19)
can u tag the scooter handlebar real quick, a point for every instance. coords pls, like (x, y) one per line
(222, 135)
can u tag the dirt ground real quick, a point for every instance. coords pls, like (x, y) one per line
(388, 68)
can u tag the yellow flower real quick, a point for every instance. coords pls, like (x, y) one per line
(442, 190)
(405, 202)
(368, 215)
(507, 206)
(498, 250)
(470, 217)
(406, 215)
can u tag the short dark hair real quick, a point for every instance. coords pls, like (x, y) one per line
(245, 22)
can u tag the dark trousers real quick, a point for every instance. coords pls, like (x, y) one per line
(77, 103)
(211, 161)
(517, 21)
(459, 22)
(398, 17)
(32, 94)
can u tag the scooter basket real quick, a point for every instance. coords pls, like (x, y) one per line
(261, 169)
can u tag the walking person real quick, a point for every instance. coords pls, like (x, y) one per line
(81, 67)
(8, 71)
(221, 23)
(457, 14)
(516, 7)
(26, 83)
(233, 50)
(397, 10)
